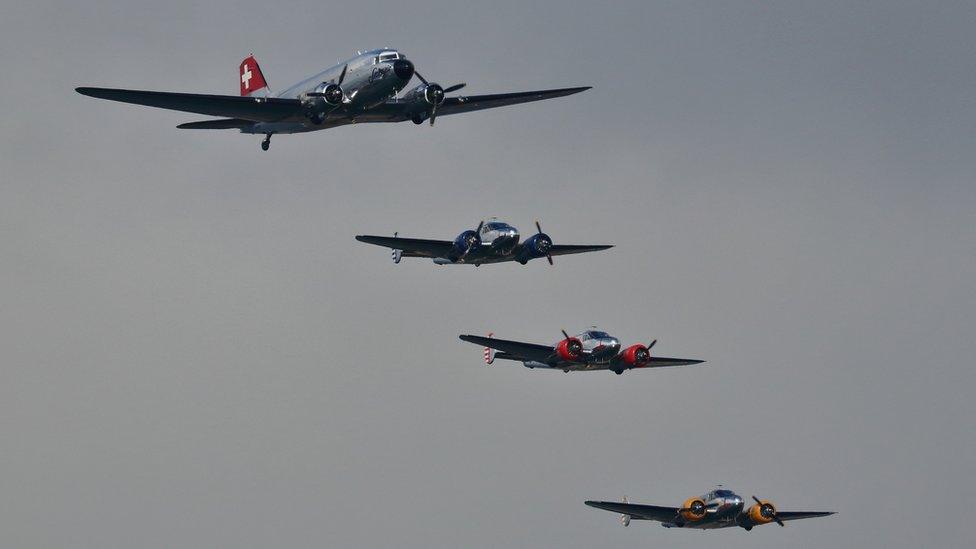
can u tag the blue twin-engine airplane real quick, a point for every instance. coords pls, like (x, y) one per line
(493, 241)
(719, 508)
(365, 88)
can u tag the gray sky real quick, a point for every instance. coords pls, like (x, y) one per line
(196, 353)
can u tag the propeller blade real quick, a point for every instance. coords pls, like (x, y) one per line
(549, 257)
(653, 343)
(422, 79)
(455, 87)
(538, 226)
(433, 113)
(565, 334)
(776, 518)
(342, 75)
(480, 225)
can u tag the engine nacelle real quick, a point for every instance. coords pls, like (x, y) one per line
(693, 509)
(465, 243)
(434, 94)
(321, 100)
(636, 356)
(570, 350)
(537, 245)
(429, 94)
(761, 513)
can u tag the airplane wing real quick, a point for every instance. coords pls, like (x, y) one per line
(516, 350)
(461, 103)
(797, 515)
(254, 109)
(636, 511)
(566, 249)
(661, 362)
(412, 247)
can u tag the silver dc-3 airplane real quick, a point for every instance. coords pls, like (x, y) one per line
(362, 89)
(719, 508)
(589, 350)
(493, 241)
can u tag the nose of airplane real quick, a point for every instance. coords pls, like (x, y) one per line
(403, 68)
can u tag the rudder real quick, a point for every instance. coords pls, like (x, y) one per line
(252, 79)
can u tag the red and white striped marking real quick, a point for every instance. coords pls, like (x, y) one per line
(489, 352)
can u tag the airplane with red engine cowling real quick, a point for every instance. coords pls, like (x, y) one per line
(365, 88)
(719, 508)
(589, 350)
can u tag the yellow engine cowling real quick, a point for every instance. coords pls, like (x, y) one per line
(693, 509)
(756, 514)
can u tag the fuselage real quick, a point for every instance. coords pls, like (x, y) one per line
(598, 350)
(371, 79)
(495, 241)
(722, 510)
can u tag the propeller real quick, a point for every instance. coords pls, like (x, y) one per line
(538, 228)
(767, 510)
(697, 508)
(435, 94)
(470, 246)
(333, 93)
(574, 345)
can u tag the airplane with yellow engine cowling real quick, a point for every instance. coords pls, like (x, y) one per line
(719, 508)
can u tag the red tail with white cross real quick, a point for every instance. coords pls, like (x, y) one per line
(251, 78)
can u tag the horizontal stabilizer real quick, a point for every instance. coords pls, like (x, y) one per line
(220, 124)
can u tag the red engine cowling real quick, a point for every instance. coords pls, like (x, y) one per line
(570, 349)
(636, 356)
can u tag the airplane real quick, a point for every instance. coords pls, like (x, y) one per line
(364, 88)
(493, 241)
(590, 350)
(719, 508)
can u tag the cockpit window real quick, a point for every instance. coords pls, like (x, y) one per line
(723, 493)
(494, 226)
(387, 57)
(598, 335)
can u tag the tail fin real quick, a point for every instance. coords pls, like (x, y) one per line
(489, 353)
(252, 79)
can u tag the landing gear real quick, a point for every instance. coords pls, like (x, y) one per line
(266, 144)
(418, 119)
(618, 371)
